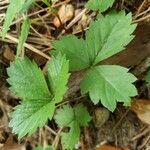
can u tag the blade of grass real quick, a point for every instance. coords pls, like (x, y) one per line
(23, 36)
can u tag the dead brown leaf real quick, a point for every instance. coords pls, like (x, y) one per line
(11, 145)
(65, 13)
(142, 109)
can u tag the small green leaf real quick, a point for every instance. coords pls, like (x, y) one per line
(41, 148)
(80, 110)
(26, 6)
(71, 117)
(71, 138)
(147, 77)
(30, 115)
(23, 36)
(64, 116)
(12, 10)
(100, 5)
(74, 49)
(27, 80)
(109, 84)
(58, 76)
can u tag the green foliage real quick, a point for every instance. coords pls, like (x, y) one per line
(41, 148)
(28, 82)
(100, 5)
(71, 117)
(109, 84)
(30, 115)
(14, 7)
(26, 6)
(106, 36)
(147, 78)
(23, 35)
(74, 49)
(58, 76)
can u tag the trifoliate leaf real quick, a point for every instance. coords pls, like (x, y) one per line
(108, 35)
(58, 76)
(147, 77)
(71, 117)
(27, 80)
(100, 5)
(109, 84)
(23, 36)
(14, 7)
(74, 49)
(30, 115)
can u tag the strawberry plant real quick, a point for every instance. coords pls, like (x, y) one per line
(41, 92)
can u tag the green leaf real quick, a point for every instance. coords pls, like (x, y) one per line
(109, 35)
(147, 78)
(80, 110)
(30, 115)
(71, 138)
(64, 116)
(23, 36)
(58, 76)
(26, 6)
(109, 84)
(27, 80)
(12, 10)
(100, 5)
(71, 117)
(74, 49)
(106, 36)
(41, 148)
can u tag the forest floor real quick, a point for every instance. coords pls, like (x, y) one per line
(126, 128)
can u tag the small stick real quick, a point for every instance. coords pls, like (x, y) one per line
(119, 122)
(140, 8)
(56, 140)
(28, 46)
(141, 19)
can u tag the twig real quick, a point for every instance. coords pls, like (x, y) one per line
(147, 130)
(76, 19)
(28, 46)
(56, 140)
(141, 19)
(140, 8)
(142, 13)
(144, 143)
(50, 130)
(119, 122)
